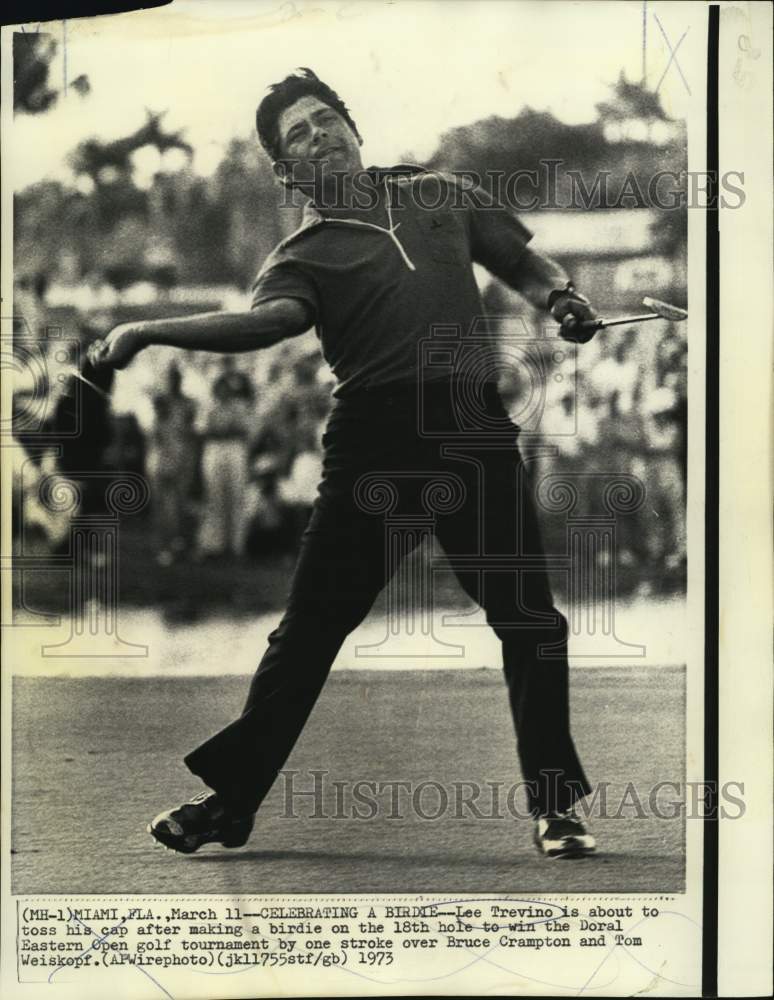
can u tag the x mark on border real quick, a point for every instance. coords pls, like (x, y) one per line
(672, 56)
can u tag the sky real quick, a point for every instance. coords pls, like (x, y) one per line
(408, 69)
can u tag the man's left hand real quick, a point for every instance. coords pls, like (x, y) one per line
(119, 347)
(572, 309)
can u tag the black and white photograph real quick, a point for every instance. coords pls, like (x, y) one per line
(360, 468)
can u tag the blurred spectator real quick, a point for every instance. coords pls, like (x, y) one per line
(624, 434)
(662, 475)
(29, 308)
(36, 524)
(81, 423)
(299, 488)
(224, 462)
(672, 373)
(570, 427)
(171, 464)
(617, 370)
(270, 527)
(127, 450)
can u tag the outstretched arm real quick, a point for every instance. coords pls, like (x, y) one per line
(499, 242)
(224, 332)
(536, 276)
(545, 285)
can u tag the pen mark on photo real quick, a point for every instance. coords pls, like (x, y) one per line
(97, 942)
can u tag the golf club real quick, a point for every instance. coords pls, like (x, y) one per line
(660, 310)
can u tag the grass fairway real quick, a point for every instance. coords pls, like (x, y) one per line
(96, 758)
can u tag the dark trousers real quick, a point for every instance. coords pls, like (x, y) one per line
(380, 457)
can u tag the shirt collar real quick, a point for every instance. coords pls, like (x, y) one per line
(310, 215)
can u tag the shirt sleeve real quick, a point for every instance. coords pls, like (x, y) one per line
(498, 238)
(280, 278)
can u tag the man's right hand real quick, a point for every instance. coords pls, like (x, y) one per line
(576, 316)
(119, 347)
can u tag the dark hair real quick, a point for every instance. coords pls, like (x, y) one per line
(302, 82)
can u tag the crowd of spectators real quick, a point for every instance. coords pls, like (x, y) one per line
(623, 411)
(232, 453)
(231, 445)
(230, 450)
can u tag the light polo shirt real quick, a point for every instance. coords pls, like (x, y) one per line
(376, 289)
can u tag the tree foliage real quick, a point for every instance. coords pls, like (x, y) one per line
(95, 158)
(180, 227)
(32, 56)
(631, 100)
(533, 140)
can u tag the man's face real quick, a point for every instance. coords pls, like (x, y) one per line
(317, 142)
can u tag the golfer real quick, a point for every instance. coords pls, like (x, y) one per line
(382, 257)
